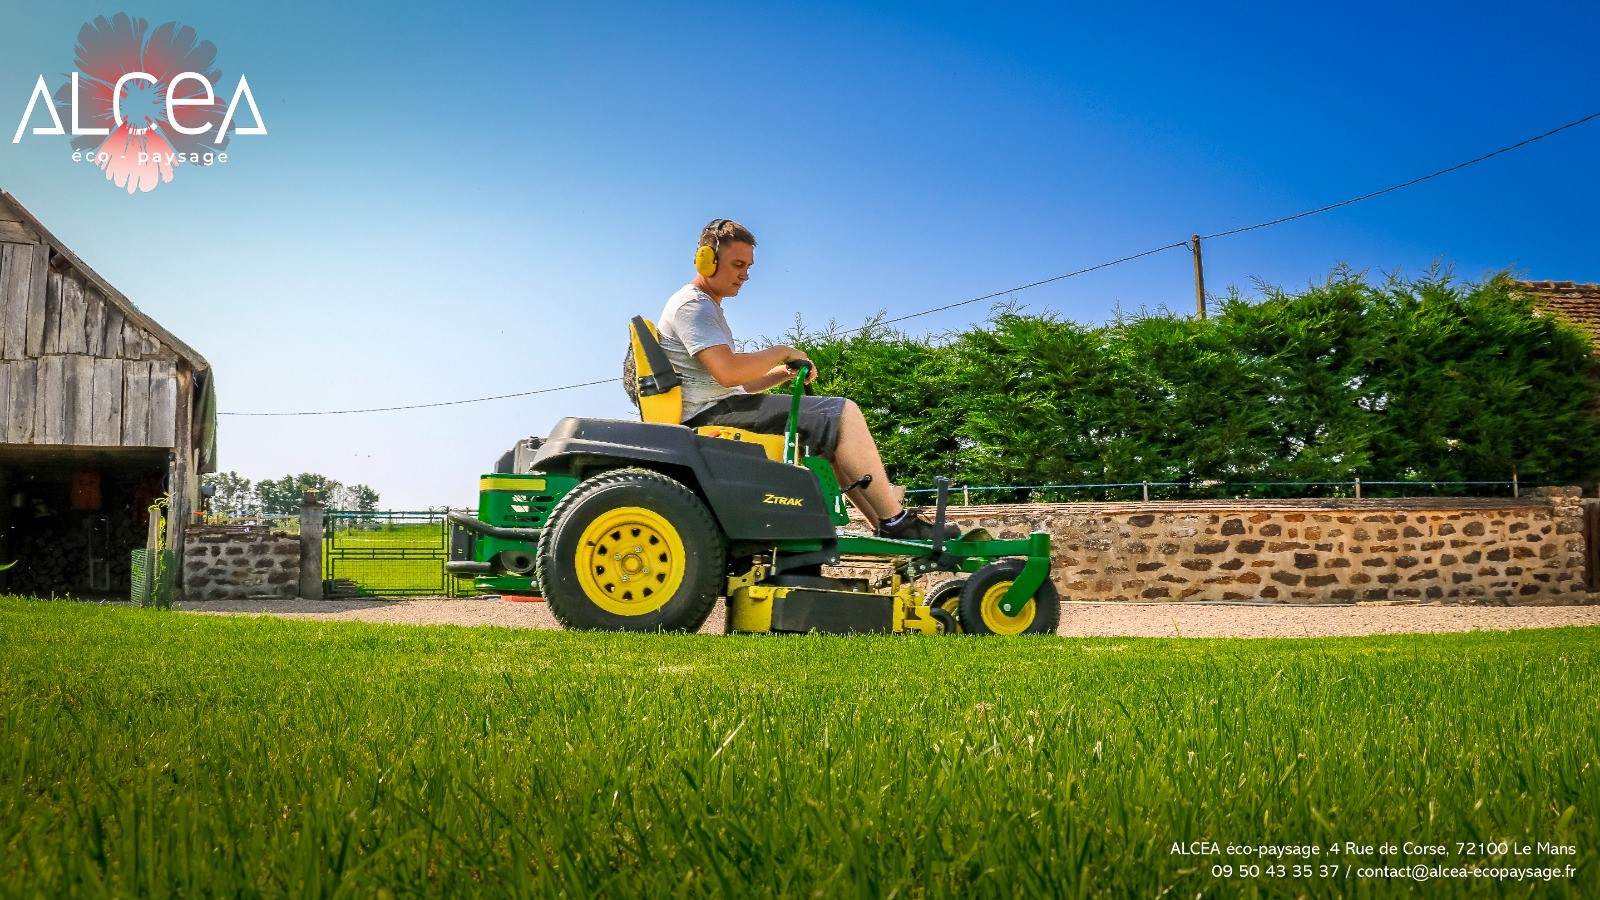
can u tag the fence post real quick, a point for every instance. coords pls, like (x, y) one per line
(1145, 487)
(966, 496)
(311, 526)
(1516, 489)
(1358, 488)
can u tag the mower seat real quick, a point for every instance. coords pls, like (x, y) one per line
(660, 391)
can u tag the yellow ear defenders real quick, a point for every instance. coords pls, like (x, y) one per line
(705, 257)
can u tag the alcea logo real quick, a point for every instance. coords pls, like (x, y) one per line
(143, 103)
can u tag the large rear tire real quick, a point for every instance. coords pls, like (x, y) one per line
(631, 550)
(980, 603)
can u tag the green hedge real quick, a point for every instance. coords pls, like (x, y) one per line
(1424, 380)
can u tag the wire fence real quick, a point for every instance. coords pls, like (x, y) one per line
(1145, 491)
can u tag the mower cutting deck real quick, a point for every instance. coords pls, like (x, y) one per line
(641, 526)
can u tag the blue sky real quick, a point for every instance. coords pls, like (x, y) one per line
(457, 200)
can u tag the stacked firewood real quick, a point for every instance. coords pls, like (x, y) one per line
(53, 553)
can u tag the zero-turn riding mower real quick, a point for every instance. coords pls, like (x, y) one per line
(641, 526)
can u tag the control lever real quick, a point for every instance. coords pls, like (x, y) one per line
(861, 482)
(943, 485)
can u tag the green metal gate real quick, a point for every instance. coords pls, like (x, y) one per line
(386, 554)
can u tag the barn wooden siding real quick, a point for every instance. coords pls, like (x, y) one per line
(82, 367)
(73, 369)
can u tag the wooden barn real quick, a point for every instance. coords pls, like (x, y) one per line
(102, 412)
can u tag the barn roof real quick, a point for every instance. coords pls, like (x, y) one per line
(24, 227)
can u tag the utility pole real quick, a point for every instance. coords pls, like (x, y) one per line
(1199, 280)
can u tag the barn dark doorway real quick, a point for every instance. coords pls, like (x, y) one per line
(69, 517)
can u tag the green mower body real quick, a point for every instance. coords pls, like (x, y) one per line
(642, 526)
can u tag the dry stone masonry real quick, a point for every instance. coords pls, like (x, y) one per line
(224, 562)
(1458, 550)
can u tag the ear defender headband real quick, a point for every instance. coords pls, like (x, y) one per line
(706, 256)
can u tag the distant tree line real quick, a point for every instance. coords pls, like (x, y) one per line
(237, 496)
(1414, 380)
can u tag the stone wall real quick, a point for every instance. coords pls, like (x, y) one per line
(1481, 551)
(228, 562)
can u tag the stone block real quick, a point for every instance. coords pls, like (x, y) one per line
(1305, 561)
(1250, 546)
(1286, 578)
(1320, 580)
(1473, 529)
(1270, 530)
(1197, 565)
(1232, 526)
(1210, 547)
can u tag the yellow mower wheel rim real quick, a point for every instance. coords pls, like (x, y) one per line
(996, 620)
(630, 561)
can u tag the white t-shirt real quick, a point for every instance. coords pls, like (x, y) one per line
(690, 323)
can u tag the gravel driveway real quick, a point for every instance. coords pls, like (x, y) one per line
(1077, 620)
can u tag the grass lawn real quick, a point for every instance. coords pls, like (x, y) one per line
(151, 752)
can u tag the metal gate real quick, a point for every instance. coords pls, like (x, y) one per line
(386, 554)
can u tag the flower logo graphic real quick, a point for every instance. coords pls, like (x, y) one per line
(150, 94)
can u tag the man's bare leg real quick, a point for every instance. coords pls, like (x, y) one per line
(857, 455)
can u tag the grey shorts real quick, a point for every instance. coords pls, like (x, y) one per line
(769, 414)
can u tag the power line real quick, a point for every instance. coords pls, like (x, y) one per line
(1403, 184)
(1104, 265)
(927, 312)
(346, 412)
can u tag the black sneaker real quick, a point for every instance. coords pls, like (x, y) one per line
(913, 527)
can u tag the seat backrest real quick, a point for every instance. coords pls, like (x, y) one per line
(659, 387)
